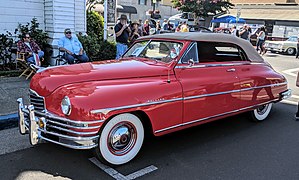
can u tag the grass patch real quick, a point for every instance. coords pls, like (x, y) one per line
(11, 73)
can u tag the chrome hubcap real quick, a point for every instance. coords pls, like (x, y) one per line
(262, 109)
(122, 138)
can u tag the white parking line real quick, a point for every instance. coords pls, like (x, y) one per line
(291, 72)
(142, 172)
(118, 176)
(289, 102)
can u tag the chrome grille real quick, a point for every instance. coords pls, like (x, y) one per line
(37, 101)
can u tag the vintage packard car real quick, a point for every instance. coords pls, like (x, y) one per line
(163, 83)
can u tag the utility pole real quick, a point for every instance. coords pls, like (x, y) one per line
(105, 19)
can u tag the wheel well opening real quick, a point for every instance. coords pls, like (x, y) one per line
(148, 129)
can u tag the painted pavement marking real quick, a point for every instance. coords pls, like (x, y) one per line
(291, 72)
(289, 102)
(118, 176)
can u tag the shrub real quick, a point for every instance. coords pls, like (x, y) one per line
(97, 50)
(38, 35)
(95, 25)
(93, 43)
(6, 44)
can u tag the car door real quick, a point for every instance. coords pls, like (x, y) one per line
(210, 88)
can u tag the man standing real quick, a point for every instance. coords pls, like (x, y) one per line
(122, 33)
(72, 48)
(29, 47)
(244, 34)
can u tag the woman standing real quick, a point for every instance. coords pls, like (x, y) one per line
(135, 32)
(261, 40)
(146, 28)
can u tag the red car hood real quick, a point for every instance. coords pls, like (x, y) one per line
(45, 82)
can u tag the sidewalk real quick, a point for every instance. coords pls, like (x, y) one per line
(11, 88)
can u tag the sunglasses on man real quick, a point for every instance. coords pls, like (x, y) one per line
(68, 33)
(27, 37)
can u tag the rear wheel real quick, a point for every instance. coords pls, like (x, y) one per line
(120, 140)
(261, 113)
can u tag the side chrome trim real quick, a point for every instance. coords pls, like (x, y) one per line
(234, 91)
(107, 110)
(48, 115)
(215, 116)
(212, 65)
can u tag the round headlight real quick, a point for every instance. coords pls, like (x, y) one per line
(66, 105)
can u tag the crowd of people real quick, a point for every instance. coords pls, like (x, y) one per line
(126, 33)
(246, 32)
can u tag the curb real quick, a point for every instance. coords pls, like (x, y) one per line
(9, 121)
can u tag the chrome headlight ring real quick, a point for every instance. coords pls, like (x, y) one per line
(66, 106)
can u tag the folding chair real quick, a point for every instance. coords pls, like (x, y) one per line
(29, 69)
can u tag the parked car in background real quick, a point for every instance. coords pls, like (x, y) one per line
(288, 47)
(162, 84)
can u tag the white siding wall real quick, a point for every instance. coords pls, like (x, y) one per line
(13, 12)
(62, 14)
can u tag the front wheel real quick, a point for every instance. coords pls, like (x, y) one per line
(261, 113)
(120, 140)
(291, 51)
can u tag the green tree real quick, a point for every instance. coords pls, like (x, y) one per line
(202, 8)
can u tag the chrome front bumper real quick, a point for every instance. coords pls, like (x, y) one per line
(55, 129)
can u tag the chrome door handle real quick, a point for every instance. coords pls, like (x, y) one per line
(231, 70)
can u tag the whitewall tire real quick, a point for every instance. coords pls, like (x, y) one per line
(262, 112)
(120, 140)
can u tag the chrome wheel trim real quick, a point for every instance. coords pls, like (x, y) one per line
(122, 138)
(290, 51)
(262, 112)
(128, 149)
(262, 109)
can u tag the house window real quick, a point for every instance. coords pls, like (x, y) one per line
(291, 1)
(142, 2)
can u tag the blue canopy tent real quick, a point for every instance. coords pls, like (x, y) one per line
(228, 19)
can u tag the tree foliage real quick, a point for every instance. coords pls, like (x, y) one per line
(202, 8)
(93, 43)
(95, 25)
(38, 35)
(91, 3)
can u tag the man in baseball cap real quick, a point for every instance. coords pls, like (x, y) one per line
(72, 48)
(122, 32)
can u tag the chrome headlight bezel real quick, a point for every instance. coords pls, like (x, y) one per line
(66, 107)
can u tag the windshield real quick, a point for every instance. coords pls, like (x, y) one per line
(164, 51)
(293, 39)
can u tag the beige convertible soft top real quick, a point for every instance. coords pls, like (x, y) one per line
(212, 37)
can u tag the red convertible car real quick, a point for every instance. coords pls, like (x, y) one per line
(163, 83)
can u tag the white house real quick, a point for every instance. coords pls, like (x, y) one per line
(53, 15)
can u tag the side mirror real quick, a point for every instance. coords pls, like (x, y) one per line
(191, 62)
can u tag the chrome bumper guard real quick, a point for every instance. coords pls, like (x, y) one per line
(286, 94)
(36, 124)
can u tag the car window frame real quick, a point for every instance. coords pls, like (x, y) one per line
(241, 53)
(187, 51)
